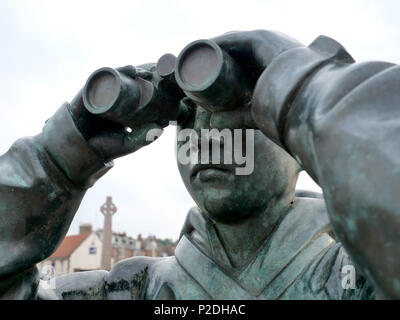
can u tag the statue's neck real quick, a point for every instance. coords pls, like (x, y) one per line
(241, 241)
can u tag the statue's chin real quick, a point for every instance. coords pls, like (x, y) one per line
(226, 212)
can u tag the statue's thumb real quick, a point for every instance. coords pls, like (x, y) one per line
(143, 136)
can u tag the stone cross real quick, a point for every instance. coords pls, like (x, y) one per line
(108, 209)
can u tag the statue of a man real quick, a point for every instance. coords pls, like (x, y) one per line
(250, 236)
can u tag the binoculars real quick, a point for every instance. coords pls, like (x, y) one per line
(203, 72)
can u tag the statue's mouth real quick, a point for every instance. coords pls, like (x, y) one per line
(209, 172)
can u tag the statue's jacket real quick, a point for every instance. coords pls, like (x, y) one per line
(300, 261)
(329, 113)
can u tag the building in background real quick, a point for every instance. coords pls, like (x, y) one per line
(83, 252)
(76, 253)
(123, 246)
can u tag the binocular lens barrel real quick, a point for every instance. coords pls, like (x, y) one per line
(166, 65)
(210, 77)
(203, 71)
(133, 101)
(111, 94)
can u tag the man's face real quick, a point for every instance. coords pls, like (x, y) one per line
(218, 189)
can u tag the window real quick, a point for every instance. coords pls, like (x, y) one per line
(92, 250)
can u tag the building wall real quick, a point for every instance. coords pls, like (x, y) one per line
(87, 256)
(119, 254)
(82, 259)
(61, 266)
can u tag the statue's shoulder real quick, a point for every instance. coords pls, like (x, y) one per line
(311, 200)
(87, 285)
(308, 194)
(127, 280)
(309, 207)
(331, 271)
(339, 278)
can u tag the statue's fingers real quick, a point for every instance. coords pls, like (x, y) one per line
(143, 71)
(142, 136)
(254, 50)
(128, 70)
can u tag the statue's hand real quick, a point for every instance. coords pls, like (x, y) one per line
(110, 139)
(254, 51)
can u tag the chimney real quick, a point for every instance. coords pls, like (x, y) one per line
(85, 228)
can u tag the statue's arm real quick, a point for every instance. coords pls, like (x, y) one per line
(44, 178)
(341, 121)
(42, 182)
(127, 280)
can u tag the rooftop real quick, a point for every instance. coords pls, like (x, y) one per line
(68, 246)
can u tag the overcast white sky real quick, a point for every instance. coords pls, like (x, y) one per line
(48, 48)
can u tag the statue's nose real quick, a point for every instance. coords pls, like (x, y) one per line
(206, 139)
(202, 119)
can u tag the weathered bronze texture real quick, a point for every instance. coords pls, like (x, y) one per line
(113, 95)
(166, 65)
(117, 97)
(166, 69)
(132, 100)
(250, 236)
(210, 77)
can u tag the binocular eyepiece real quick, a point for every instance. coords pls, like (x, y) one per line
(203, 72)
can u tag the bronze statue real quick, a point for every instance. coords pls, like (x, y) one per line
(251, 236)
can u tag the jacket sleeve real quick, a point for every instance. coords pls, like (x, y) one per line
(341, 121)
(42, 182)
